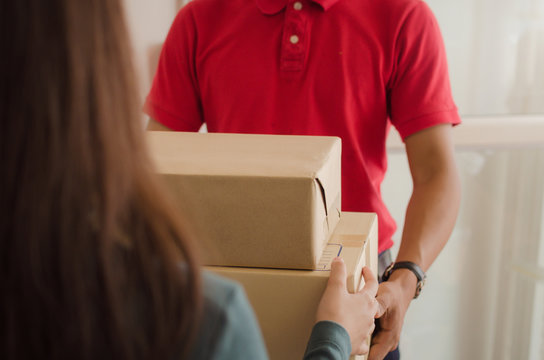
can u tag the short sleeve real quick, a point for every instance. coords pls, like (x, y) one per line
(174, 99)
(328, 341)
(419, 89)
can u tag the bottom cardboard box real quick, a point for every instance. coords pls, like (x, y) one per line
(285, 301)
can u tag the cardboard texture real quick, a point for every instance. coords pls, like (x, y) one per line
(259, 200)
(285, 301)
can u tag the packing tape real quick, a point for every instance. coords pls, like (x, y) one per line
(350, 240)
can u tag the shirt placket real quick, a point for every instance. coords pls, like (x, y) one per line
(295, 39)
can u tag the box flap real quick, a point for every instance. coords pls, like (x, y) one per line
(329, 181)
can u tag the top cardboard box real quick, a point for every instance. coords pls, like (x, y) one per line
(258, 200)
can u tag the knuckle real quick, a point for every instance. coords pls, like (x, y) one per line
(375, 306)
(368, 298)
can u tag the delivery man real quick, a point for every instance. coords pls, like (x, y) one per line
(346, 68)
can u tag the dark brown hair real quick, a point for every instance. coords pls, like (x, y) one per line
(94, 262)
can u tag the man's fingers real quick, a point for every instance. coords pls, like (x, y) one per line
(378, 351)
(338, 274)
(380, 347)
(371, 283)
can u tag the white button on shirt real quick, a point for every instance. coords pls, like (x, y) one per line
(297, 5)
(293, 39)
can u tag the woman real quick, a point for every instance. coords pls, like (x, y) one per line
(95, 262)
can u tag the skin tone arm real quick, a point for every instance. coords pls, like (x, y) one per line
(355, 312)
(154, 125)
(429, 221)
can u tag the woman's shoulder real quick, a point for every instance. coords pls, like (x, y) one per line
(217, 289)
(228, 328)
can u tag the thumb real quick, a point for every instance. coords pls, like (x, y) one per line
(371, 283)
(382, 305)
(338, 274)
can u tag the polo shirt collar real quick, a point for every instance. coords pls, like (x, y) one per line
(271, 7)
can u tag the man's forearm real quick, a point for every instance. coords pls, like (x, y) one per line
(430, 218)
(429, 221)
(154, 125)
(434, 204)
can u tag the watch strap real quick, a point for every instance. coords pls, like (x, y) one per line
(413, 267)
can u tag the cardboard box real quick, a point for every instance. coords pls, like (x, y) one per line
(285, 301)
(260, 200)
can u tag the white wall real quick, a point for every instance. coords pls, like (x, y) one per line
(495, 51)
(149, 22)
(484, 298)
(484, 295)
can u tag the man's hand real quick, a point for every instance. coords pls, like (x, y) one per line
(429, 221)
(355, 312)
(393, 297)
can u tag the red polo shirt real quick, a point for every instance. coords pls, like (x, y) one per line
(347, 68)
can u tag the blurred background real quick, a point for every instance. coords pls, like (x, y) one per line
(484, 298)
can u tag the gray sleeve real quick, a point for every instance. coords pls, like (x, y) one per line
(328, 341)
(242, 337)
(228, 329)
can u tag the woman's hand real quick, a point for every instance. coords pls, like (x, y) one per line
(355, 312)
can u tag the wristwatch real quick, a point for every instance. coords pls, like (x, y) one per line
(420, 274)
